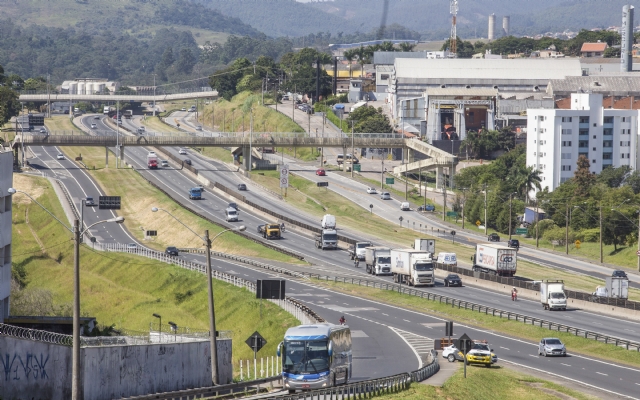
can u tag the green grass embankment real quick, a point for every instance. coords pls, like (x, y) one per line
(126, 290)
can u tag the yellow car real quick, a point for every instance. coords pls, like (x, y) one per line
(481, 354)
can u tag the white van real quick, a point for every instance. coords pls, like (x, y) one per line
(405, 206)
(231, 214)
(329, 222)
(445, 259)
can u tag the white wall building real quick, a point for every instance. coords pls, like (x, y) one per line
(556, 138)
(6, 181)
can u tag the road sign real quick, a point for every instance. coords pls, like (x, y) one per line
(284, 176)
(270, 289)
(109, 202)
(389, 181)
(356, 167)
(256, 342)
(322, 184)
(151, 233)
(464, 343)
(521, 231)
(452, 214)
(453, 233)
(478, 223)
(400, 219)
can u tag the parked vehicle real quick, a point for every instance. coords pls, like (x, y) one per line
(405, 206)
(551, 347)
(270, 231)
(429, 207)
(385, 196)
(328, 222)
(413, 267)
(171, 250)
(445, 260)
(152, 160)
(377, 260)
(481, 354)
(428, 245)
(328, 239)
(357, 105)
(552, 295)
(231, 215)
(513, 243)
(494, 237)
(195, 193)
(452, 280)
(358, 250)
(496, 259)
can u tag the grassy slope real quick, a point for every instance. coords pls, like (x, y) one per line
(137, 204)
(125, 289)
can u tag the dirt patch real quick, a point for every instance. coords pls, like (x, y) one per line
(32, 185)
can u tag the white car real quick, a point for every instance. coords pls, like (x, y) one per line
(132, 246)
(164, 163)
(183, 109)
(42, 130)
(182, 151)
(371, 190)
(198, 128)
(94, 126)
(451, 353)
(385, 196)
(60, 156)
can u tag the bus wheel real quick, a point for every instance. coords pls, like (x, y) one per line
(334, 380)
(346, 376)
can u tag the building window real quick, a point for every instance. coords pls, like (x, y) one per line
(622, 155)
(566, 143)
(594, 149)
(593, 161)
(608, 120)
(384, 77)
(583, 132)
(584, 120)
(607, 156)
(566, 119)
(566, 131)
(607, 131)
(624, 119)
(628, 155)
(566, 156)
(607, 143)
(583, 143)
(566, 167)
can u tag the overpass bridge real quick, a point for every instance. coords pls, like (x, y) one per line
(34, 96)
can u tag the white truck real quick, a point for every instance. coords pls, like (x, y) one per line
(428, 245)
(357, 250)
(106, 110)
(445, 260)
(552, 295)
(357, 105)
(378, 260)
(495, 259)
(413, 267)
(328, 222)
(328, 239)
(617, 287)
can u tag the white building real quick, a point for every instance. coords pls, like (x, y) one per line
(6, 181)
(556, 138)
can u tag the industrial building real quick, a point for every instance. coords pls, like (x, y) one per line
(557, 137)
(89, 86)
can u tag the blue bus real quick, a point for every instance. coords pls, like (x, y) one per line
(315, 356)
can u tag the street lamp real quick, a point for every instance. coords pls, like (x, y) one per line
(77, 234)
(160, 324)
(212, 320)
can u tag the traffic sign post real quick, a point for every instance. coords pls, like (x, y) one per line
(521, 231)
(464, 344)
(371, 209)
(256, 342)
(284, 176)
(389, 181)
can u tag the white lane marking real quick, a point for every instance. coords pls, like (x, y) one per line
(567, 365)
(406, 320)
(505, 348)
(600, 373)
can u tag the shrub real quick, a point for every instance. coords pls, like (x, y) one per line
(588, 235)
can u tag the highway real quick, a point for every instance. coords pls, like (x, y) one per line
(365, 316)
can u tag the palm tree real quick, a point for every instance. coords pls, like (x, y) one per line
(526, 180)
(385, 46)
(406, 46)
(349, 55)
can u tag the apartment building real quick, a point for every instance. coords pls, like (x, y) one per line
(557, 137)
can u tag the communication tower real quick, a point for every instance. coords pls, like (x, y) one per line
(453, 41)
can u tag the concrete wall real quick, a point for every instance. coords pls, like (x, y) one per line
(6, 181)
(39, 371)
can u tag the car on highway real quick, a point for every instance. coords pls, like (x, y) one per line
(182, 151)
(164, 163)
(514, 244)
(242, 186)
(96, 117)
(551, 347)
(198, 128)
(171, 250)
(132, 246)
(618, 273)
(321, 172)
(494, 237)
(372, 190)
(94, 126)
(385, 196)
(187, 161)
(452, 280)
(42, 130)
(183, 109)
(89, 202)
(233, 205)
(60, 156)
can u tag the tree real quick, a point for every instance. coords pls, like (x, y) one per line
(406, 46)
(612, 52)
(9, 104)
(186, 62)
(527, 180)
(167, 57)
(583, 177)
(613, 177)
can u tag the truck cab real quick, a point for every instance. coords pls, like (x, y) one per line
(357, 251)
(195, 193)
(270, 231)
(328, 239)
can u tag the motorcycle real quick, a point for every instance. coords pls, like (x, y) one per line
(514, 296)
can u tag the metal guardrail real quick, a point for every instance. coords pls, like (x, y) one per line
(496, 312)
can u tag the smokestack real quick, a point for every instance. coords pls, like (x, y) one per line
(505, 25)
(626, 33)
(492, 27)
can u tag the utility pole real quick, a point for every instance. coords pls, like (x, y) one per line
(639, 240)
(293, 103)
(566, 232)
(510, 203)
(600, 231)
(537, 231)
(485, 209)
(444, 198)
(382, 175)
(353, 150)
(48, 98)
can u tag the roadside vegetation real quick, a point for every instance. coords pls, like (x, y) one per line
(122, 290)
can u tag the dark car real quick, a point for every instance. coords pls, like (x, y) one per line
(452, 280)
(233, 205)
(514, 244)
(187, 161)
(172, 251)
(242, 186)
(494, 237)
(89, 201)
(618, 273)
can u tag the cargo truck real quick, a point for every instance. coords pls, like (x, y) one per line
(106, 110)
(128, 114)
(270, 231)
(552, 295)
(357, 250)
(413, 267)
(617, 287)
(495, 259)
(328, 239)
(328, 222)
(152, 161)
(195, 193)
(428, 245)
(378, 260)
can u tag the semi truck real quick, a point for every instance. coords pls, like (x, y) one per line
(270, 231)
(152, 161)
(357, 250)
(106, 110)
(377, 260)
(414, 267)
(495, 259)
(327, 239)
(195, 193)
(428, 245)
(128, 114)
(552, 295)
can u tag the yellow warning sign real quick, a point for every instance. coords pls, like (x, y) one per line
(478, 223)
(577, 243)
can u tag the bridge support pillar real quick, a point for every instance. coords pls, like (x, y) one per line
(246, 158)
(122, 153)
(439, 178)
(16, 158)
(452, 172)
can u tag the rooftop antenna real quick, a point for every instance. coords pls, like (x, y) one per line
(452, 42)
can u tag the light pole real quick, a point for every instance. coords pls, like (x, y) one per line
(77, 234)
(212, 317)
(510, 203)
(154, 95)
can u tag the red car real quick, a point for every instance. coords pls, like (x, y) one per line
(320, 172)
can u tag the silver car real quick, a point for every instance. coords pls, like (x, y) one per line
(385, 196)
(551, 347)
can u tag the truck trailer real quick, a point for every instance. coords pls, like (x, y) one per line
(428, 245)
(413, 267)
(495, 259)
(552, 295)
(378, 260)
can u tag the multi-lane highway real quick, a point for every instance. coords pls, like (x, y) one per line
(378, 329)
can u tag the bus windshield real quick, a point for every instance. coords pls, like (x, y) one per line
(424, 267)
(305, 357)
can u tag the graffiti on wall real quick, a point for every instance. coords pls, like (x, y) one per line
(31, 366)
